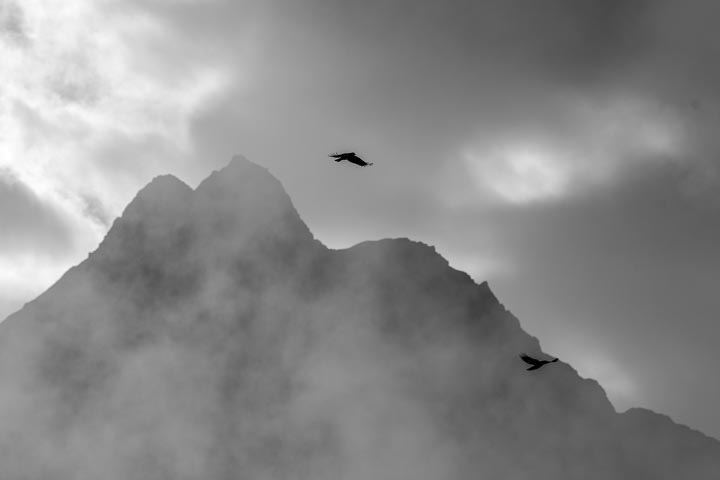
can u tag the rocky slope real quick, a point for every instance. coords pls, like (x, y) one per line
(211, 336)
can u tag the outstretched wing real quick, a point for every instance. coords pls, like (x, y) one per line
(529, 360)
(350, 157)
(357, 160)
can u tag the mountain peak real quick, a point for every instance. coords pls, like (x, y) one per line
(246, 199)
(164, 192)
(164, 186)
(238, 171)
(242, 161)
(211, 326)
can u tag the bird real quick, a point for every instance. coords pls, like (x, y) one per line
(534, 362)
(350, 157)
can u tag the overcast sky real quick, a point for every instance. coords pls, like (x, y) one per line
(567, 151)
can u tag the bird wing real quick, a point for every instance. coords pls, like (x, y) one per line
(528, 359)
(356, 160)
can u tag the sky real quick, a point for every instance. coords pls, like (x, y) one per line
(565, 151)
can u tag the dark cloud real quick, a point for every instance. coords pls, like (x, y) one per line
(417, 82)
(631, 270)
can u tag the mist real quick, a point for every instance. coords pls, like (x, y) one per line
(210, 335)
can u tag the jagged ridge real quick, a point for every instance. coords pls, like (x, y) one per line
(216, 338)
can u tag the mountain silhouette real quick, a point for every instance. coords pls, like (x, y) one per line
(210, 335)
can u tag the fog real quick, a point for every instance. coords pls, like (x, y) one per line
(212, 336)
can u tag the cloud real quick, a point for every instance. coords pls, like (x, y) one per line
(211, 335)
(88, 113)
(490, 124)
(39, 238)
(28, 223)
(583, 144)
(82, 86)
(624, 274)
(12, 23)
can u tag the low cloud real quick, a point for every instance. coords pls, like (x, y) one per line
(211, 336)
(481, 118)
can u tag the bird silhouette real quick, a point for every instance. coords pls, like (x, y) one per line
(350, 157)
(534, 362)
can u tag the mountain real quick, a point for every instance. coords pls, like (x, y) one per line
(211, 336)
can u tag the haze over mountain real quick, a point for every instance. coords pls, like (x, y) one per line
(212, 336)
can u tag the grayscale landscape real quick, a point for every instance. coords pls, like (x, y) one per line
(359, 240)
(212, 336)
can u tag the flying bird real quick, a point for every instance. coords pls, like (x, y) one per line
(350, 157)
(534, 362)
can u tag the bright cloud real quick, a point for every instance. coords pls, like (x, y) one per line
(73, 86)
(599, 141)
(84, 119)
(520, 174)
(24, 277)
